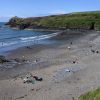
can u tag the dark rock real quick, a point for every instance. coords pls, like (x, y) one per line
(71, 43)
(20, 60)
(90, 46)
(97, 51)
(74, 62)
(92, 50)
(3, 59)
(28, 47)
(38, 79)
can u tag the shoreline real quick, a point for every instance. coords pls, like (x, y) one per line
(36, 29)
(66, 72)
(62, 35)
(30, 44)
(25, 52)
(59, 34)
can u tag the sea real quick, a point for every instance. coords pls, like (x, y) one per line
(11, 39)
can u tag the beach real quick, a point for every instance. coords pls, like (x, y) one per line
(68, 69)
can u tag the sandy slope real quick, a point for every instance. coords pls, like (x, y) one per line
(53, 60)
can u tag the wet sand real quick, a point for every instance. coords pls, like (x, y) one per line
(68, 69)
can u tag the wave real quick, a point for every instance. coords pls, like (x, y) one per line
(27, 39)
(3, 44)
(38, 37)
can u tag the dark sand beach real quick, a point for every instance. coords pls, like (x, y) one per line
(68, 68)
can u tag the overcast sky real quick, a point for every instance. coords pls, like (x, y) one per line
(28, 8)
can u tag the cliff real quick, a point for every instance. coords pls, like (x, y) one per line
(79, 20)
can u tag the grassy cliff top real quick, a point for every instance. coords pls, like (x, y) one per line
(84, 20)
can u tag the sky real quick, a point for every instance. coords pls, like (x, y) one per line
(30, 8)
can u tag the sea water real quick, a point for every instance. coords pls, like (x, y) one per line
(13, 38)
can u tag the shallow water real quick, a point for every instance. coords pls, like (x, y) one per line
(12, 38)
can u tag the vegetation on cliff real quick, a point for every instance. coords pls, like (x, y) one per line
(80, 20)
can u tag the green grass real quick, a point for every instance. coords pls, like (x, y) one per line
(92, 95)
(84, 20)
